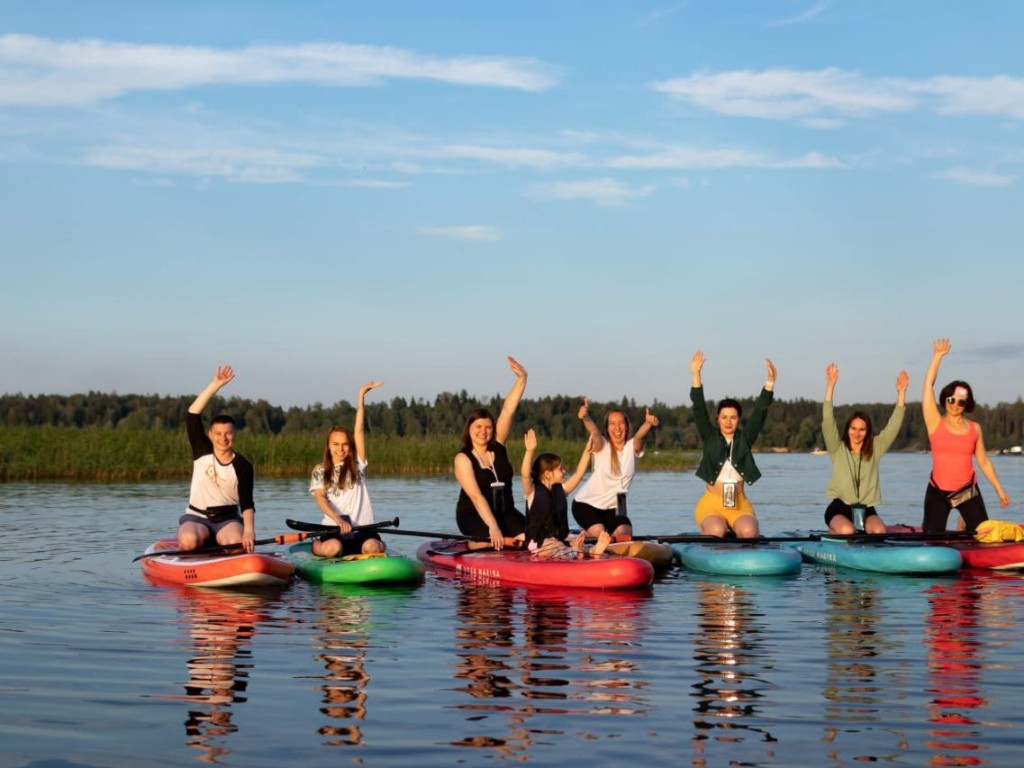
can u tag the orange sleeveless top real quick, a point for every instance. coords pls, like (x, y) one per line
(952, 456)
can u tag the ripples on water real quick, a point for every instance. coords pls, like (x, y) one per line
(825, 667)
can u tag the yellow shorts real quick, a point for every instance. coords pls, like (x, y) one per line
(710, 504)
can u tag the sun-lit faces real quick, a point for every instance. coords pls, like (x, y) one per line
(617, 428)
(555, 476)
(857, 432)
(222, 436)
(481, 431)
(728, 421)
(339, 447)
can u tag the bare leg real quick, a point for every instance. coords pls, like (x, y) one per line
(192, 535)
(714, 525)
(746, 527)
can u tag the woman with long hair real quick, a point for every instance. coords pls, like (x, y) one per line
(855, 454)
(486, 508)
(338, 485)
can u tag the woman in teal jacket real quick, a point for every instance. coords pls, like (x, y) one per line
(727, 464)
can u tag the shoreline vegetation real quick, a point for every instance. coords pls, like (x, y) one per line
(99, 454)
(106, 436)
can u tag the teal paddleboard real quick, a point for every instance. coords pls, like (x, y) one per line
(736, 559)
(354, 569)
(881, 556)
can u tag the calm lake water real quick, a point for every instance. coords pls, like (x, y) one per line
(824, 668)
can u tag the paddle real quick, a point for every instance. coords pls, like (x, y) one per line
(855, 537)
(281, 538)
(299, 525)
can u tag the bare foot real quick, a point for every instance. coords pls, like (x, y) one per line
(577, 543)
(603, 540)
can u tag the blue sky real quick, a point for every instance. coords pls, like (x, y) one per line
(323, 193)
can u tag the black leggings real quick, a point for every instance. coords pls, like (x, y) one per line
(937, 508)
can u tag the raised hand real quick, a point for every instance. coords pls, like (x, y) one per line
(832, 374)
(530, 440)
(225, 373)
(770, 366)
(649, 418)
(902, 382)
(584, 410)
(697, 362)
(941, 347)
(516, 367)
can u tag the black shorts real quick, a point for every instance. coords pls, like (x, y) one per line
(937, 507)
(840, 507)
(353, 543)
(586, 516)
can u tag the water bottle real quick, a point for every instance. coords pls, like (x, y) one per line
(858, 518)
(498, 498)
(620, 504)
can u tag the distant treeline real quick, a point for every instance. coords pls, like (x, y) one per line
(793, 425)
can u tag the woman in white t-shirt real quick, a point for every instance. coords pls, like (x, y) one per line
(338, 485)
(597, 506)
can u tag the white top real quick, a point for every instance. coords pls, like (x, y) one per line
(729, 473)
(351, 501)
(602, 487)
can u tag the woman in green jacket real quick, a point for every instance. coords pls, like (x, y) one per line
(727, 464)
(855, 455)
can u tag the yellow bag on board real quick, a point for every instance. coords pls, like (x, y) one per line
(992, 531)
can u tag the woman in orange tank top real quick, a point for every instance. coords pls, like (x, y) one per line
(956, 444)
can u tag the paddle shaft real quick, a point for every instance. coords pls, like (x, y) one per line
(318, 527)
(854, 537)
(281, 538)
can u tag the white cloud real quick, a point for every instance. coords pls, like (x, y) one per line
(378, 184)
(977, 178)
(824, 98)
(781, 94)
(687, 157)
(264, 166)
(605, 192)
(998, 96)
(37, 71)
(468, 232)
(513, 157)
(802, 17)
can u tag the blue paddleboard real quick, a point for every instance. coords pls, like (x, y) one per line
(736, 559)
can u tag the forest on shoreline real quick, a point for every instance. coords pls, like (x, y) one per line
(100, 436)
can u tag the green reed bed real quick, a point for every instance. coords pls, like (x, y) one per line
(97, 453)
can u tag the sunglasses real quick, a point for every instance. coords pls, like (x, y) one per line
(950, 400)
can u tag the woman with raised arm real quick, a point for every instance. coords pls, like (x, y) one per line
(486, 508)
(727, 463)
(220, 499)
(596, 507)
(855, 455)
(955, 440)
(338, 485)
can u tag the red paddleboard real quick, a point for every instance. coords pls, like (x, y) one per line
(517, 566)
(256, 569)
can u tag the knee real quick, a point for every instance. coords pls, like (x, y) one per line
(327, 547)
(373, 547)
(189, 539)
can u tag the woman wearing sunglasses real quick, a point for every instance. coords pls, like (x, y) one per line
(955, 441)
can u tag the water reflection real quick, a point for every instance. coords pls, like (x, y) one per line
(730, 650)
(953, 642)
(221, 625)
(343, 639)
(857, 685)
(528, 658)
